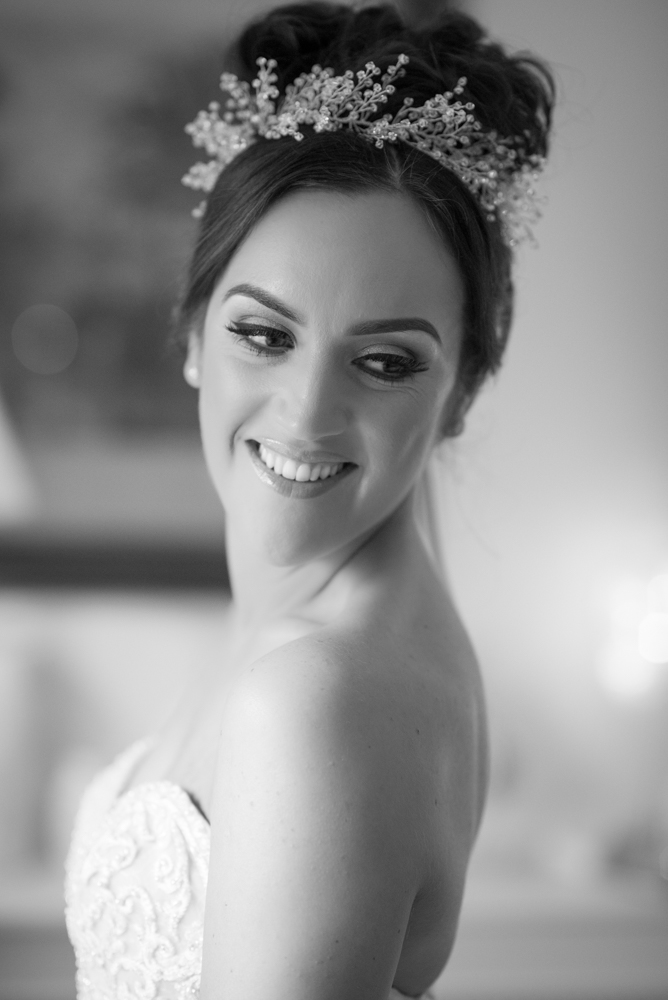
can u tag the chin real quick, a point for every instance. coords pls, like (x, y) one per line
(285, 530)
(294, 537)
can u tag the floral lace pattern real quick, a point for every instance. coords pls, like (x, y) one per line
(135, 887)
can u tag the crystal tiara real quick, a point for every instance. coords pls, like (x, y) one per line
(498, 171)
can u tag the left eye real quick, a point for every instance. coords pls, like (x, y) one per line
(389, 367)
(262, 339)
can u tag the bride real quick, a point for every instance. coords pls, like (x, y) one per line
(301, 828)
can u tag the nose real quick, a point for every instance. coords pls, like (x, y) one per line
(312, 402)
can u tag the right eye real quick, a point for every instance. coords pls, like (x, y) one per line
(261, 339)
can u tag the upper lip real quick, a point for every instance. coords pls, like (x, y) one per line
(302, 455)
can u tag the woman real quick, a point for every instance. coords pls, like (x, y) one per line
(301, 829)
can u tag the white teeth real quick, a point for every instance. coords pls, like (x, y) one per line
(302, 472)
(267, 457)
(289, 470)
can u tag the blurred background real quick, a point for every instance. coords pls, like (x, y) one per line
(113, 587)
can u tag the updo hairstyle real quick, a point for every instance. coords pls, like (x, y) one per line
(512, 94)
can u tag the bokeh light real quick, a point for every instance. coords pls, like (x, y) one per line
(653, 637)
(622, 672)
(45, 339)
(636, 649)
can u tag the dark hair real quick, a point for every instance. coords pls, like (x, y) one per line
(512, 94)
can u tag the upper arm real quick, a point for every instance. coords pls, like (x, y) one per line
(310, 886)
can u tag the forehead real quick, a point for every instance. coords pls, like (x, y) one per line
(351, 256)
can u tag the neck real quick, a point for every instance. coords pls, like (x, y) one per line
(266, 596)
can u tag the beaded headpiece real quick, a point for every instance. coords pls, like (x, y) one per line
(498, 171)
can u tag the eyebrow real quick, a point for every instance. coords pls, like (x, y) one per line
(392, 325)
(365, 327)
(265, 299)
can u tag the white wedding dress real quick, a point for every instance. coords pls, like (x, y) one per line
(135, 886)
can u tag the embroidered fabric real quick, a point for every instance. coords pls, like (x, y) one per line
(135, 886)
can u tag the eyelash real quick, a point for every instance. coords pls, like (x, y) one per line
(408, 366)
(244, 333)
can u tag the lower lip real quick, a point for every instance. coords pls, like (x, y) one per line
(290, 487)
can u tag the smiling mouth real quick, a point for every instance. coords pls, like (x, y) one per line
(300, 472)
(297, 479)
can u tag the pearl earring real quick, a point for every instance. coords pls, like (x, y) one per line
(191, 374)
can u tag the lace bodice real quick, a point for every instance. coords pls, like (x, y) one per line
(135, 886)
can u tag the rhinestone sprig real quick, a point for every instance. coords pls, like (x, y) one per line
(497, 170)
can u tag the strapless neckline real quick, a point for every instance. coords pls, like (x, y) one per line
(139, 849)
(132, 757)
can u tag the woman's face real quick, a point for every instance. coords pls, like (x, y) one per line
(328, 352)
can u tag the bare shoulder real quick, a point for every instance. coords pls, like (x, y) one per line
(303, 870)
(383, 723)
(308, 671)
(318, 700)
(342, 817)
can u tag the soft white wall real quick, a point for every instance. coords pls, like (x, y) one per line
(559, 488)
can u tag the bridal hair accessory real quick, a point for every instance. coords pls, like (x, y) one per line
(497, 170)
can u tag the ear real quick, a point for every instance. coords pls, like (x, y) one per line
(452, 421)
(193, 362)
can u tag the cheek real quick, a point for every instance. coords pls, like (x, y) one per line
(226, 397)
(225, 402)
(406, 434)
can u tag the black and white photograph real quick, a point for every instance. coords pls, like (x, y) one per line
(333, 500)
